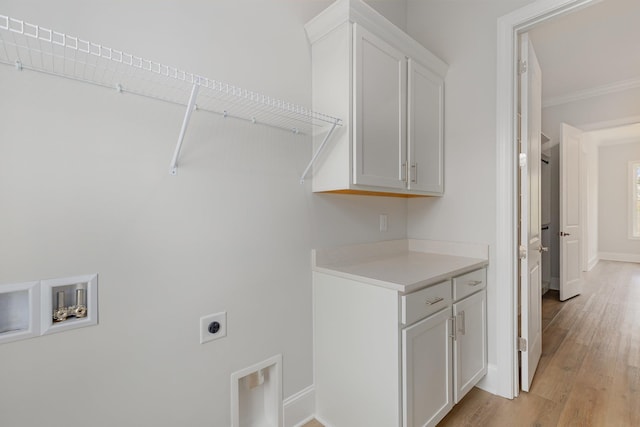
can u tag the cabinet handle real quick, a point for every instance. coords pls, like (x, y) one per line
(474, 283)
(452, 334)
(461, 324)
(432, 301)
(404, 172)
(414, 172)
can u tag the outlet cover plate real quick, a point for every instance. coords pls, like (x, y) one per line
(384, 220)
(205, 321)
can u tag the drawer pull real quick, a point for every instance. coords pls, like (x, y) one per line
(475, 283)
(432, 301)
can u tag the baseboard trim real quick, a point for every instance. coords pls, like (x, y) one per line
(546, 285)
(490, 381)
(323, 422)
(299, 408)
(622, 257)
(593, 262)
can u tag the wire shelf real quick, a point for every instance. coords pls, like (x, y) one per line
(31, 47)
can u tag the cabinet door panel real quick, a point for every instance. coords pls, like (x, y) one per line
(470, 345)
(427, 370)
(426, 136)
(379, 110)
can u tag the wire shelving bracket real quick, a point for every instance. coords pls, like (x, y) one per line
(27, 46)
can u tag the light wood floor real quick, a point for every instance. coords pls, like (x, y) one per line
(589, 373)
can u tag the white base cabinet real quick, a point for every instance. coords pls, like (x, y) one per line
(356, 353)
(427, 370)
(470, 343)
(470, 337)
(384, 358)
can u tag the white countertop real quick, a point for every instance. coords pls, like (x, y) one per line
(401, 265)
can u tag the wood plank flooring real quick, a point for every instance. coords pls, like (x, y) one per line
(589, 372)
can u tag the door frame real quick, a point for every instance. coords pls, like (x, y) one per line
(509, 27)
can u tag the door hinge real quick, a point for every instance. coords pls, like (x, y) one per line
(522, 252)
(522, 159)
(522, 344)
(522, 67)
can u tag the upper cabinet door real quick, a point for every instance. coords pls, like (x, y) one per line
(379, 107)
(425, 128)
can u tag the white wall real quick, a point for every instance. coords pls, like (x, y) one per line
(591, 113)
(613, 236)
(394, 10)
(85, 188)
(464, 35)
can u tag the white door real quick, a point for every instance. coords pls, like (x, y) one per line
(380, 112)
(570, 231)
(426, 124)
(530, 213)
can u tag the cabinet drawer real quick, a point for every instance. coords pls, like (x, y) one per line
(469, 283)
(420, 304)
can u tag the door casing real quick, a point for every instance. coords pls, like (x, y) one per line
(505, 381)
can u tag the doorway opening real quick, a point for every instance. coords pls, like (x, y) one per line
(509, 28)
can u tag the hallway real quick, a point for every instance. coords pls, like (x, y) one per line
(589, 373)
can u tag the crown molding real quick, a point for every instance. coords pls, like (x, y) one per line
(593, 92)
(358, 12)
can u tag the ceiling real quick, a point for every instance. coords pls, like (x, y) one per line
(594, 49)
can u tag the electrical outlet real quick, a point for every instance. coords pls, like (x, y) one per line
(213, 326)
(383, 222)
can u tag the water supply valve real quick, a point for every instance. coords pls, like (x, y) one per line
(61, 312)
(77, 310)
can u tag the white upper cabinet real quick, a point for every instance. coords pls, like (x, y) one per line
(380, 109)
(389, 90)
(425, 125)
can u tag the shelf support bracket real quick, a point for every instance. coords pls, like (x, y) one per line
(319, 150)
(187, 115)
